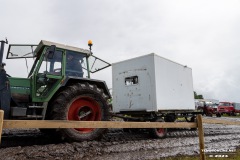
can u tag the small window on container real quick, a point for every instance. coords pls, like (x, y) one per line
(131, 80)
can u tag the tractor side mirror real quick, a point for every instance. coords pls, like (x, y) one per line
(51, 51)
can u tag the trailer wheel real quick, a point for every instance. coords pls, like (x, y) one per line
(170, 118)
(81, 102)
(158, 132)
(191, 119)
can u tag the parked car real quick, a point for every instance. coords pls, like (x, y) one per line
(236, 108)
(210, 109)
(226, 108)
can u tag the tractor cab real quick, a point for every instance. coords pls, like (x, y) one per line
(77, 62)
(54, 64)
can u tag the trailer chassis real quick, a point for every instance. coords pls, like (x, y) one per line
(167, 116)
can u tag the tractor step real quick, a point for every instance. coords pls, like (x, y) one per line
(34, 116)
(18, 111)
(41, 107)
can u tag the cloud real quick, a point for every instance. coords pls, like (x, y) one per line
(203, 35)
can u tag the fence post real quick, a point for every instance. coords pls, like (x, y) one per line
(201, 136)
(1, 123)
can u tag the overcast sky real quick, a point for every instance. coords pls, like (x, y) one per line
(204, 34)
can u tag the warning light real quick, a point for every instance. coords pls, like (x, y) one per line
(90, 43)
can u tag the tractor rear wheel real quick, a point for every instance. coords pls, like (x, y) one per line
(81, 102)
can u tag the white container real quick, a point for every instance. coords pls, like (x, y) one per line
(151, 83)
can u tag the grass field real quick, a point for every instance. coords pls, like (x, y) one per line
(237, 116)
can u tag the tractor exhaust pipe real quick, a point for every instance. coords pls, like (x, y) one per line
(2, 52)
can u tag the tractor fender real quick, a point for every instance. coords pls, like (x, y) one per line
(101, 84)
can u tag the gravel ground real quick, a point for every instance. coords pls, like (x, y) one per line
(116, 144)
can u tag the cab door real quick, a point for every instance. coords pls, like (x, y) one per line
(48, 75)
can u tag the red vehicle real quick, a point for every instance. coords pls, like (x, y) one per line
(236, 107)
(226, 108)
(209, 110)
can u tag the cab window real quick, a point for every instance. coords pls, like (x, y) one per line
(52, 66)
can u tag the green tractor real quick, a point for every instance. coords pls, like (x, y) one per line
(58, 87)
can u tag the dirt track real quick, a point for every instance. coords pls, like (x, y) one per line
(116, 144)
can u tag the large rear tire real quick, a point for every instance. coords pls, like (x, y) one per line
(81, 102)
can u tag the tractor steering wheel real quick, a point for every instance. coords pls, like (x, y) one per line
(57, 70)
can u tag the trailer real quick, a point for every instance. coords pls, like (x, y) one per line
(153, 88)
